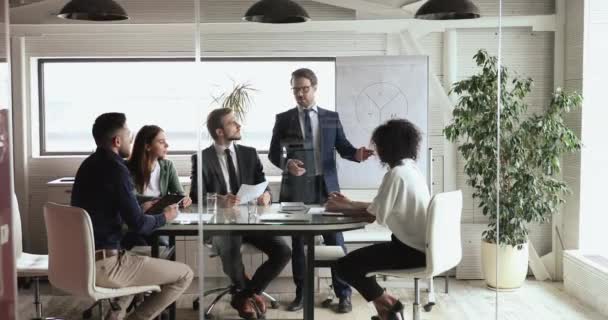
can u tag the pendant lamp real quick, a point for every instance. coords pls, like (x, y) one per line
(276, 11)
(93, 10)
(448, 10)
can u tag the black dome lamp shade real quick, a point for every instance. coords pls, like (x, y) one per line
(93, 10)
(276, 11)
(448, 10)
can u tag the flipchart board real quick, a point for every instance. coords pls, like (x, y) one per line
(370, 91)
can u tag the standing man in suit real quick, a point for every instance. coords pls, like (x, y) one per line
(304, 141)
(226, 166)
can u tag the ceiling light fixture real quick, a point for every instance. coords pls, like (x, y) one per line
(93, 10)
(448, 10)
(276, 11)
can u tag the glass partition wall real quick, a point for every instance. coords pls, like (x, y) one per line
(68, 72)
(368, 75)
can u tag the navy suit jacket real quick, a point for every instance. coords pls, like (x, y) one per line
(287, 131)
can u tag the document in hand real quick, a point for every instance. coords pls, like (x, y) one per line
(248, 192)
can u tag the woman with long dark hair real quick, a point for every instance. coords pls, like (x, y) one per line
(401, 205)
(153, 175)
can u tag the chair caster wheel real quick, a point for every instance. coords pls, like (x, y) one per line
(274, 304)
(429, 306)
(195, 305)
(208, 316)
(87, 314)
(326, 303)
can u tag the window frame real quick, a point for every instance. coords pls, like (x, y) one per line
(41, 88)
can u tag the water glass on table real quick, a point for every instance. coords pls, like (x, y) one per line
(211, 203)
(252, 210)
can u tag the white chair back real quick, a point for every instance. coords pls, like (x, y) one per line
(71, 249)
(444, 247)
(17, 232)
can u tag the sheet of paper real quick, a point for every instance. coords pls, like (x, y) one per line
(192, 218)
(316, 211)
(249, 192)
(285, 217)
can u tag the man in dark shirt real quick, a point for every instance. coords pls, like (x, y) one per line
(104, 189)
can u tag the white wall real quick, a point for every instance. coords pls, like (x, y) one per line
(529, 53)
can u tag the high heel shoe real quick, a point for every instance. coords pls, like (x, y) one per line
(394, 312)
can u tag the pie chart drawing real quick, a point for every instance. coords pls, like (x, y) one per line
(379, 102)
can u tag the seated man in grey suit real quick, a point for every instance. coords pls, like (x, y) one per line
(226, 166)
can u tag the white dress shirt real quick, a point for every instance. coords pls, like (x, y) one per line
(153, 188)
(221, 155)
(401, 204)
(316, 136)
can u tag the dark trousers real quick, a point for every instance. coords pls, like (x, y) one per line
(229, 250)
(383, 256)
(341, 288)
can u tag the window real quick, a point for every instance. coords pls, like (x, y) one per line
(169, 93)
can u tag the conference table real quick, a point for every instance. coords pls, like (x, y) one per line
(269, 220)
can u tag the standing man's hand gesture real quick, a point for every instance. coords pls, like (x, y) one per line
(363, 154)
(295, 167)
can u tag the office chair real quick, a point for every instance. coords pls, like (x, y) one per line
(222, 291)
(72, 257)
(443, 243)
(33, 266)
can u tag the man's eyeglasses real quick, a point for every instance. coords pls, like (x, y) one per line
(305, 89)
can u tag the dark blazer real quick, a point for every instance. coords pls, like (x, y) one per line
(250, 171)
(287, 132)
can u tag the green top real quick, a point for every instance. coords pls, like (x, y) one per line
(169, 181)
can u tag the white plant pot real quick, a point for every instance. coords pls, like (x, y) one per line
(512, 262)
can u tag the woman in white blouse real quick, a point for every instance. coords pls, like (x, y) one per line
(400, 205)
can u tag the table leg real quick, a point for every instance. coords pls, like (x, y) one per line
(173, 306)
(154, 247)
(309, 279)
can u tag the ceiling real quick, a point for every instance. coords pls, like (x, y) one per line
(180, 11)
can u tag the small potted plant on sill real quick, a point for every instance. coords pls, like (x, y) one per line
(529, 187)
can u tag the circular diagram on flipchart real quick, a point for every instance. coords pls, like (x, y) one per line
(379, 102)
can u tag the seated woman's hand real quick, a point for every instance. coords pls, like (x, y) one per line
(337, 202)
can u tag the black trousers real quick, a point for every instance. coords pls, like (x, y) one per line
(311, 190)
(341, 288)
(229, 250)
(383, 256)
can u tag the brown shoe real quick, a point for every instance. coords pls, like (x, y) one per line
(243, 305)
(260, 303)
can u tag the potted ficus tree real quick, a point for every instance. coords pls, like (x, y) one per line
(529, 186)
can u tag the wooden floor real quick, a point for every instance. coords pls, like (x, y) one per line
(466, 300)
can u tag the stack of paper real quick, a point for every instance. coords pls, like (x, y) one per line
(285, 217)
(293, 206)
(191, 218)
